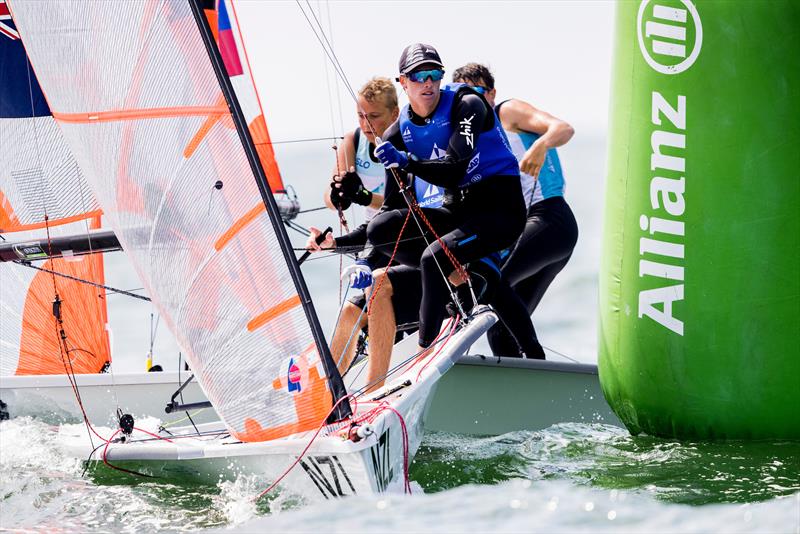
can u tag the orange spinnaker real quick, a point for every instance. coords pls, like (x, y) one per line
(84, 314)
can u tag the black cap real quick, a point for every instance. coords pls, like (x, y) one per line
(418, 54)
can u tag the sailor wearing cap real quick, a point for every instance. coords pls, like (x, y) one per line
(450, 137)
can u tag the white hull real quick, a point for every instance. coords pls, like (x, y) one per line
(334, 465)
(51, 397)
(493, 396)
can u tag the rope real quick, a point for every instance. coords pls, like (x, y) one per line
(81, 280)
(305, 450)
(388, 265)
(118, 468)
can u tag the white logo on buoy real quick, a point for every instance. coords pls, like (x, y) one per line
(665, 35)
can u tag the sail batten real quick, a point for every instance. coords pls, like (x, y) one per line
(138, 114)
(169, 210)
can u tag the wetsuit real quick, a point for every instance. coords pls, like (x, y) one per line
(405, 280)
(461, 148)
(373, 176)
(369, 169)
(541, 252)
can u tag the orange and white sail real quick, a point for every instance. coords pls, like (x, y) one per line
(43, 192)
(136, 94)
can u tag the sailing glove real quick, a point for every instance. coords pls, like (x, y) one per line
(360, 275)
(390, 156)
(354, 189)
(338, 198)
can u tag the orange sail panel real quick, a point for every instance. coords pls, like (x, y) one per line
(87, 345)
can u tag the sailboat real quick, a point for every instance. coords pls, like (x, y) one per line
(571, 391)
(147, 102)
(53, 244)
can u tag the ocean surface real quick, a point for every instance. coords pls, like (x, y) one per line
(569, 477)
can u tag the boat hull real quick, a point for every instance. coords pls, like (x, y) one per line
(502, 395)
(335, 465)
(485, 395)
(51, 398)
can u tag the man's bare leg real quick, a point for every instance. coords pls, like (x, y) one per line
(382, 330)
(347, 330)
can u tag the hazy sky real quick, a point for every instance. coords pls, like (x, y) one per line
(556, 55)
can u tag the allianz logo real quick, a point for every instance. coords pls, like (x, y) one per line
(670, 34)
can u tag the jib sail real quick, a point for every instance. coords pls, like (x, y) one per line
(42, 189)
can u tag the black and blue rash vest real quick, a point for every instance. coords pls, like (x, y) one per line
(492, 154)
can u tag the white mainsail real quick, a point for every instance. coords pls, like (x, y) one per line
(135, 92)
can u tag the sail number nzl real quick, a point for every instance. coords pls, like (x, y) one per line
(318, 468)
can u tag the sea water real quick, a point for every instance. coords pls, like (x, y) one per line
(569, 477)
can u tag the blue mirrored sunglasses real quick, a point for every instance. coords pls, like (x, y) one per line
(421, 75)
(480, 89)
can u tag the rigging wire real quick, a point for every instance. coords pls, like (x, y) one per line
(61, 338)
(82, 280)
(330, 32)
(312, 209)
(418, 214)
(306, 140)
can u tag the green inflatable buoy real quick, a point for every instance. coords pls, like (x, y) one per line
(700, 280)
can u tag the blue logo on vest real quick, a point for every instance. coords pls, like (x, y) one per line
(474, 162)
(437, 153)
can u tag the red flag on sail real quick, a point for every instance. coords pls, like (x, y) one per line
(227, 42)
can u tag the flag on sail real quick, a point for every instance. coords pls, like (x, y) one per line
(43, 192)
(6, 24)
(139, 102)
(226, 40)
(221, 15)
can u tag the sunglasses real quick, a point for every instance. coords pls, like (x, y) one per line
(480, 89)
(421, 75)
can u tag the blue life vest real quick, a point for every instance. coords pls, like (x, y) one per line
(551, 177)
(492, 155)
(428, 195)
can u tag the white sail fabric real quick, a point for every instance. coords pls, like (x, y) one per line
(132, 86)
(39, 179)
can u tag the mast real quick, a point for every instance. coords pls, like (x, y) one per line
(335, 381)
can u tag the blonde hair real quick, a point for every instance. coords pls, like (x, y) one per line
(380, 89)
